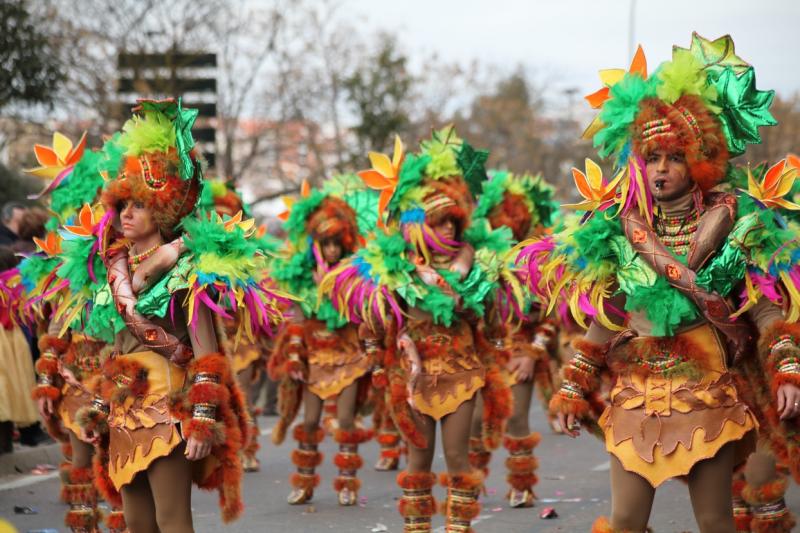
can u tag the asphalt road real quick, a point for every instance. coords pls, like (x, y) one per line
(573, 480)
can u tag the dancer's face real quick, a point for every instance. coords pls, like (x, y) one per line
(667, 175)
(446, 229)
(331, 251)
(137, 221)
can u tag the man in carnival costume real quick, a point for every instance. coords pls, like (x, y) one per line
(420, 285)
(679, 278)
(524, 205)
(319, 356)
(167, 411)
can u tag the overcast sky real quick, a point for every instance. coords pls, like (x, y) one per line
(574, 38)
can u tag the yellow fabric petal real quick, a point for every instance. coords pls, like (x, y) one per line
(594, 174)
(611, 76)
(592, 129)
(381, 163)
(61, 146)
(397, 157)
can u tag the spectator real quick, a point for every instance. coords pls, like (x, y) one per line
(31, 224)
(17, 376)
(10, 219)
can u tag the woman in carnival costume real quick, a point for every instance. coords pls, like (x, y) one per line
(58, 279)
(524, 205)
(318, 356)
(675, 278)
(168, 411)
(421, 286)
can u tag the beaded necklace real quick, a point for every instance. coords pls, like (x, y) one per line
(676, 232)
(134, 260)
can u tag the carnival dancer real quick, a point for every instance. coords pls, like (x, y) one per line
(667, 267)
(420, 286)
(168, 410)
(57, 277)
(319, 356)
(523, 204)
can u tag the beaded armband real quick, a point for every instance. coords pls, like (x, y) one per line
(46, 377)
(206, 400)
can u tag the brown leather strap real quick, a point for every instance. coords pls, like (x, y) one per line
(713, 228)
(149, 334)
(714, 307)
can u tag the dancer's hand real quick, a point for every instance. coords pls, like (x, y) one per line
(45, 406)
(197, 449)
(89, 436)
(788, 401)
(521, 368)
(569, 425)
(155, 266)
(407, 346)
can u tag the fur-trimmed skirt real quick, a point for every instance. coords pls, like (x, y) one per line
(673, 404)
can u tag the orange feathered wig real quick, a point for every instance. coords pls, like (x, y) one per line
(513, 213)
(448, 198)
(154, 179)
(334, 219)
(687, 126)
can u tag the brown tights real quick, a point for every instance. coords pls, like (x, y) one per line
(519, 424)
(455, 440)
(159, 500)
(345, 408)
(632, 495)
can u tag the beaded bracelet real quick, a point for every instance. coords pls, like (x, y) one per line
(204, 411)
(571, 390)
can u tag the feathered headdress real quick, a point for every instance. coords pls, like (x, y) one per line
(420, 190)
(523, 204)
(703, 101)
(161, 168)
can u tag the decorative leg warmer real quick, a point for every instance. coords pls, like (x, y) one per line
(81, 496)
(479, 456)
(307, 459)
(115, 521)
(417, 505)
(346, 484)
(521, 465)
(461, 506)
(389, 440)
(770, 514)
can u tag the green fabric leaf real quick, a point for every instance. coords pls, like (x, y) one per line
(744, 109)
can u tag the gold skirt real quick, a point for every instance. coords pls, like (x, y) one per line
(142, 429)
(659, 425)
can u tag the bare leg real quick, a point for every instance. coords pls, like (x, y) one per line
(463, 482)
(171, 484)
(78, 490)
(138, 506)
(82, 452)
(312, 410)
(708, 487)
(631, 499)
(348, 436)
(346, 407)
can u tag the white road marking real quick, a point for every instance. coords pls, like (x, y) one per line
(24, 481)
(602, 467)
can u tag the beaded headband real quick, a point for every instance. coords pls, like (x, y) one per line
(663, 127)
(438, 202)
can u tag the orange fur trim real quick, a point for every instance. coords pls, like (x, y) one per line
(46, 391)
(123, 379)
(101, 478)
(306, 458)
(46, 365)
(387, 439)
(290, 396)
(302, 481)
(115, 521)
(401, 411)
(92, 420)
(356, 436)
(52, 343)
(416, 507)
(570, 406)
(520, 444)
(513, 213)
(342, 482)
(497, 407)
(391, 453)
(458, 509)
(766, 493)
(346, 461)
(301, 435)
(82, 520)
